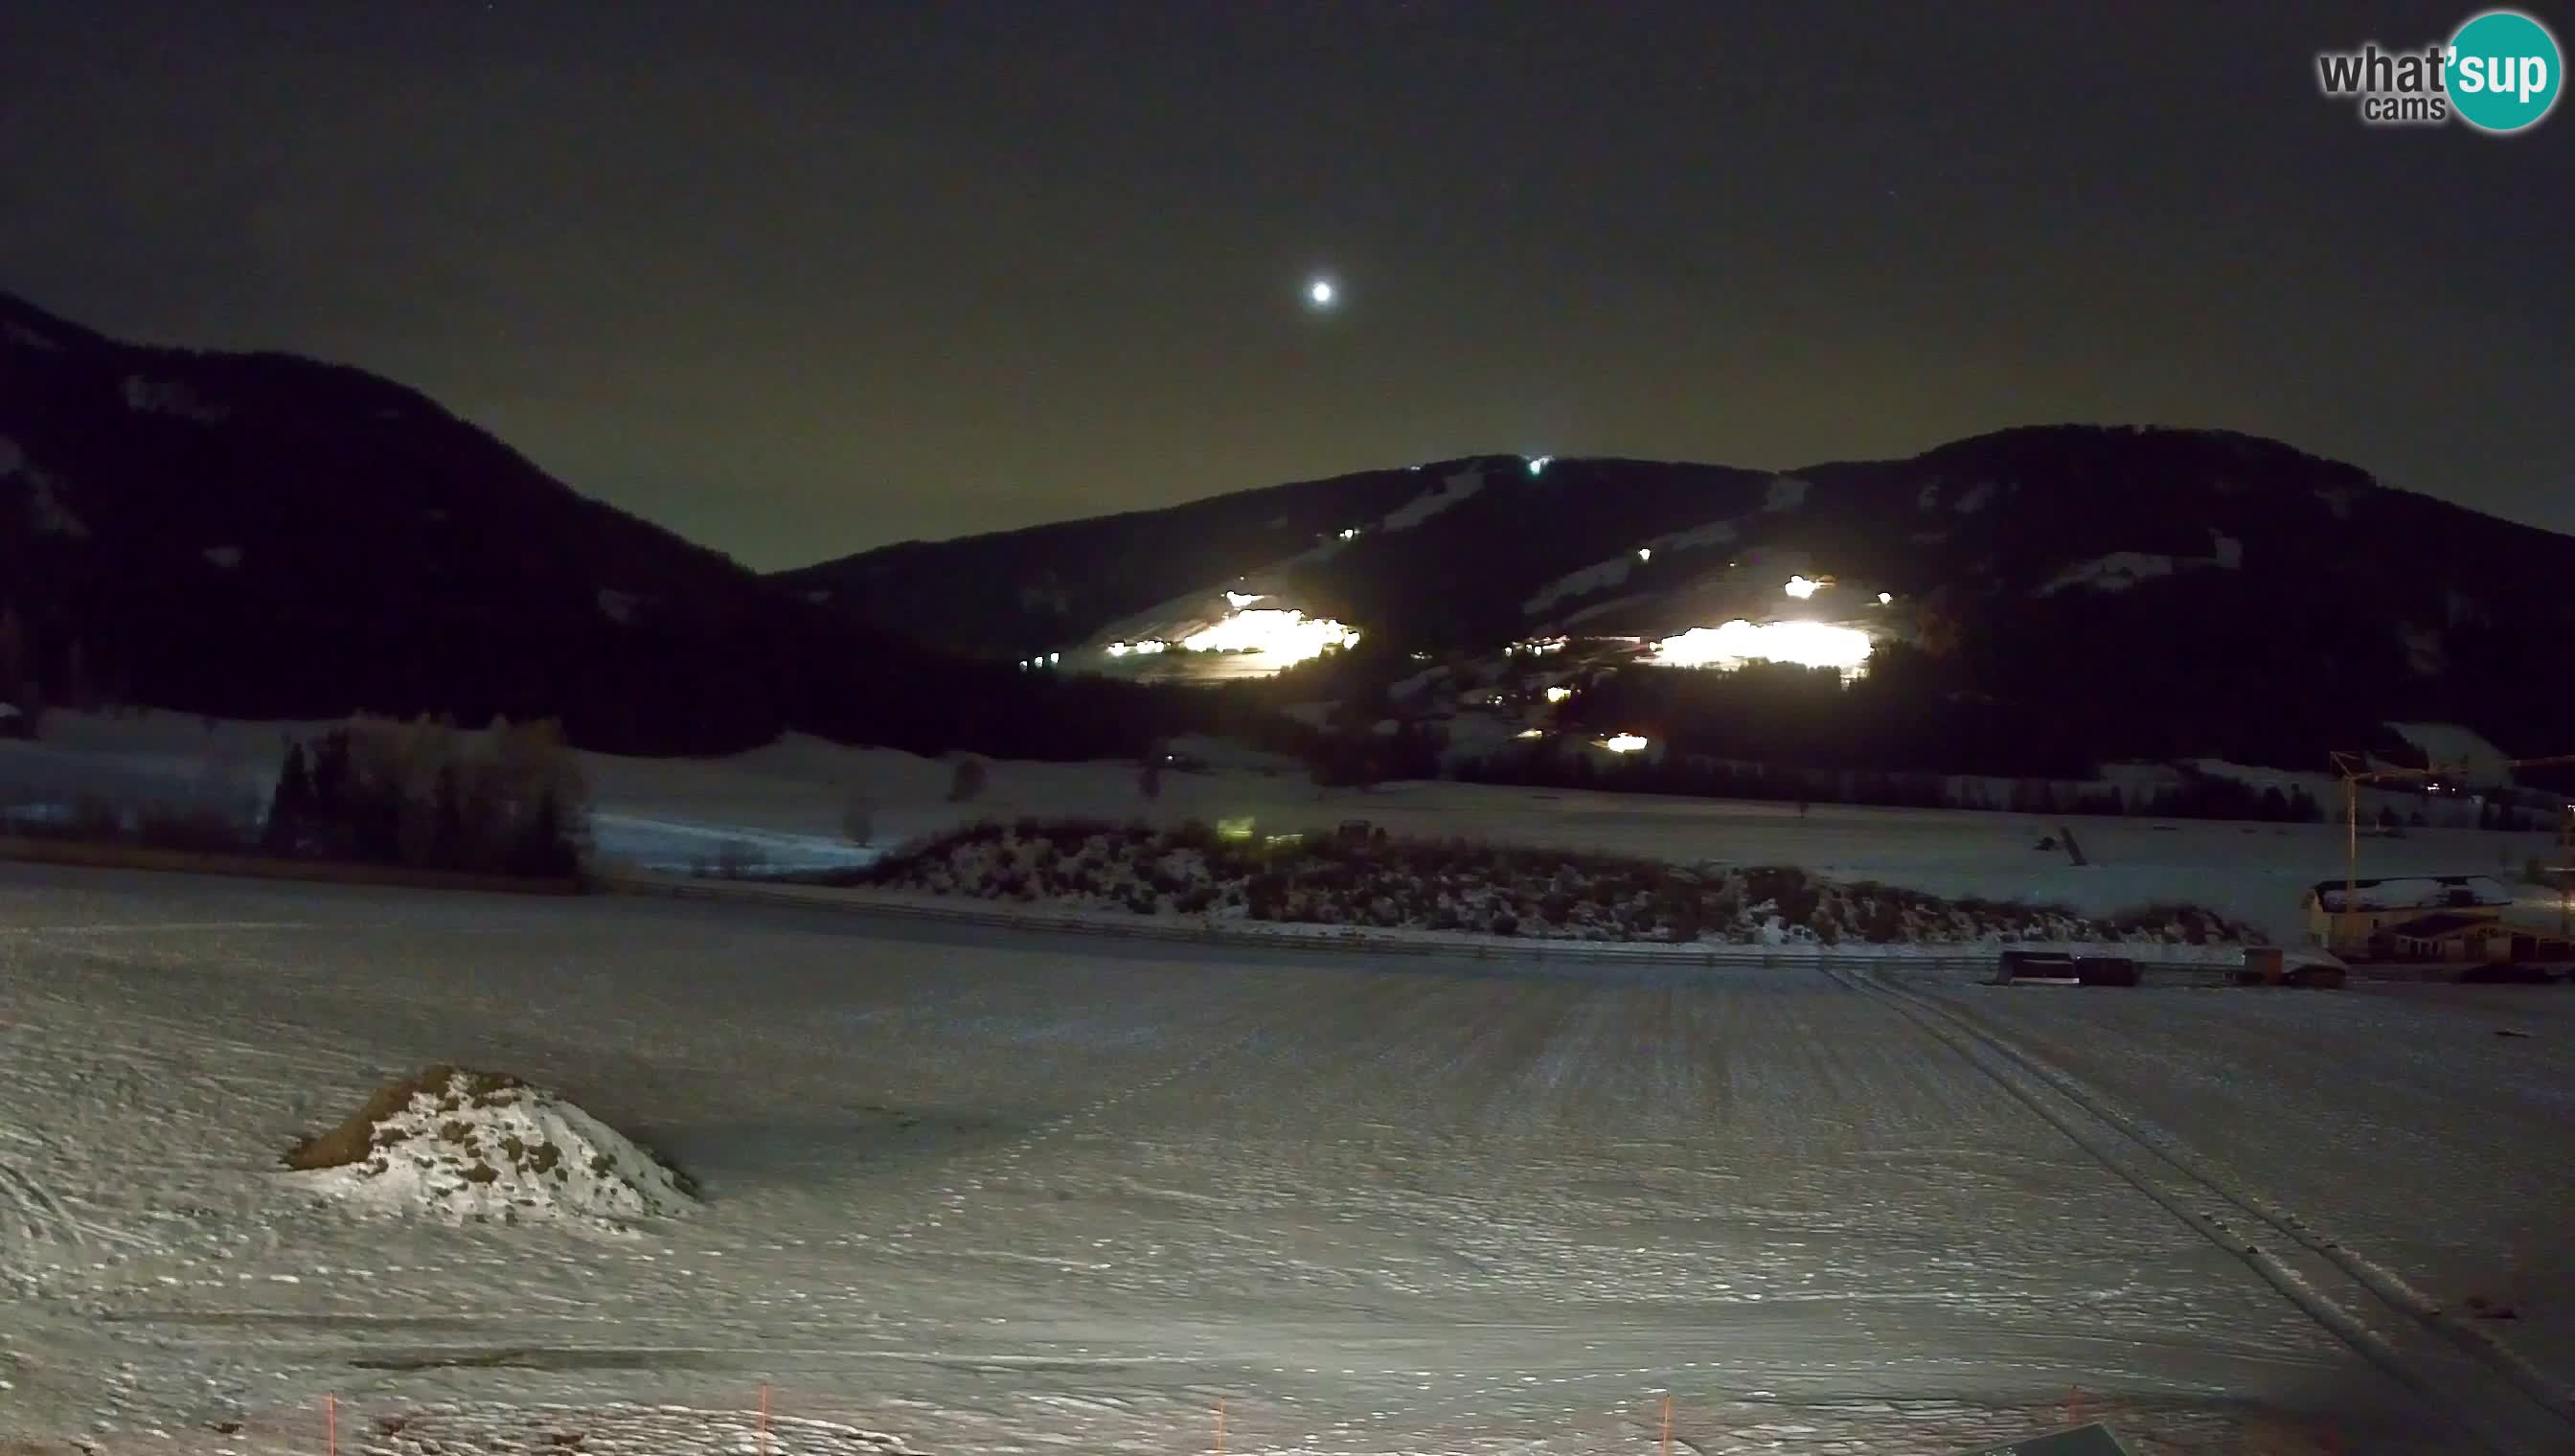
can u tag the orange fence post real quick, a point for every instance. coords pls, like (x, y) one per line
(764, 1418)
(1667, 1423)
(1219, 1426)
(2074, 1405)
(331, 1423)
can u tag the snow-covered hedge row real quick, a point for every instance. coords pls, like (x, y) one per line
(1370, 879)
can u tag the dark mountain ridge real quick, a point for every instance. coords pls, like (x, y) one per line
(264, 535)
(2148, 591)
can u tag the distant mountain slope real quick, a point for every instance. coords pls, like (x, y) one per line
(2179, 578)
(257, 534)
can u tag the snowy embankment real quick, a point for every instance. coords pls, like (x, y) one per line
(476, 1147)
(1372, 880)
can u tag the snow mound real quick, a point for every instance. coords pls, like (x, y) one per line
(467, 1146)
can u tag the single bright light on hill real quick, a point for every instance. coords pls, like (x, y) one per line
(1321, 294)
(1884, 598)
(1623, 744)
(1240, 599)
(1538, 467)
(1559, 694)
(1801, 589)
(1645, 553)
(1807, 643)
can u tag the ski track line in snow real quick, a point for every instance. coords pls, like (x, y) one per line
(2029, 1080)
(2392, 1288)
(29, 1214)
(956, 1192)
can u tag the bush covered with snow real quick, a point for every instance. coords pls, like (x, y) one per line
(470, 1147)
(1363, 877)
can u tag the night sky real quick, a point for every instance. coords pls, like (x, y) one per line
(798, 279)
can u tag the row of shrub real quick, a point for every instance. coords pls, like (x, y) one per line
(1369, 878)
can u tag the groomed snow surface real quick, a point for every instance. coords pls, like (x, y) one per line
(997, 1193)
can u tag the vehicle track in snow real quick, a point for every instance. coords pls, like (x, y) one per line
(29, 1211)
(2489, 1391)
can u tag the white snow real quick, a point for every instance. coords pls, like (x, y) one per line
(1598, 577)
(225, 558)
(616, 606)
(1409, 687)
(2416, 892)
(171, 397)
(1453, 491)
(1928, 498)
(2338, 501)
(683, 846)
(2121, 570)
(2450, 746)
(2424, 651)
(1978, 497)
(514, 1155)
(2116, 571)
(1786, 492)
(1601, 607)
(1022, 1194)
(21, 334)
(1715, 533)
(47, 512)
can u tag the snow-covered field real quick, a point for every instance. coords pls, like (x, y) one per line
(986, 1192)
(782, 805)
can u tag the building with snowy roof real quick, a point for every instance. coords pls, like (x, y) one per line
(2379, 906)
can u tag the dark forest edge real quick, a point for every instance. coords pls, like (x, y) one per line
(508, 803)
